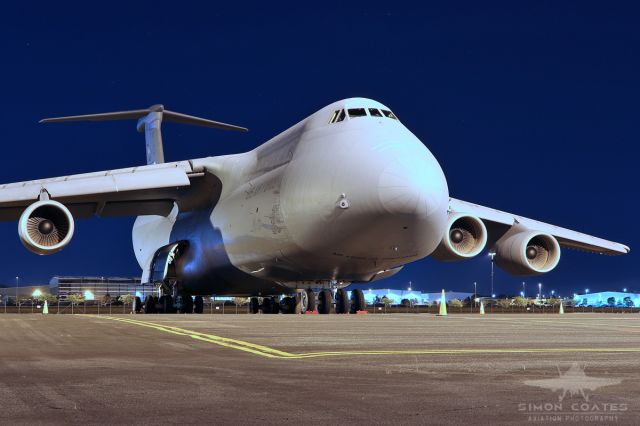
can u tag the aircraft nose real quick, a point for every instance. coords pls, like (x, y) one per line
(412, 183)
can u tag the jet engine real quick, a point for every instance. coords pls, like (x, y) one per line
(465, 237)
(45, 227)
(524, 252)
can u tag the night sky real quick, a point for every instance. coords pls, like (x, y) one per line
(530, 108)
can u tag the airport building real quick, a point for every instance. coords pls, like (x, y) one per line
(23, 292)
(415, 297)
(607, 298)
(95, 288)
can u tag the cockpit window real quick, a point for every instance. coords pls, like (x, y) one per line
(341, 114)
(357, 112)
(389, 114)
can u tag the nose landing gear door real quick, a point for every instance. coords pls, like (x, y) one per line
(163, 267)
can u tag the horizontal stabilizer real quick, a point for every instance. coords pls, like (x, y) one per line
(135, 114)
(149, 122)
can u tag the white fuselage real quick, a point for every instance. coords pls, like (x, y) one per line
(320, 203)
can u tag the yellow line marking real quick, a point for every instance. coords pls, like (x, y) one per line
(222, 341)
(269, 352)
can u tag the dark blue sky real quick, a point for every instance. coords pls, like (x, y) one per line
(530, 108)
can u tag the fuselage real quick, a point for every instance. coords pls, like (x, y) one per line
(343, 196)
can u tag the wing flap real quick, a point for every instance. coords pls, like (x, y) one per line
(92, 184)
(566, 237)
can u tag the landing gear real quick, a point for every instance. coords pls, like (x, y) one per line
(342, 301)
(312, 304)
(254, 305)
(198, 305)
(300, 302)
(165, 304)
(186, 304)
(268, 306)
(325, 301)
(149, 305)
(288, 305)
(357, 301)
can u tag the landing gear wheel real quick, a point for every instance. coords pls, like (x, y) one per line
(357, 301)
(312, 304)
(186, 304)
(149, 305)
(288, 305)
(301, 302)
(325, 302)
(342, 301)
(267, 305)
(276, 305)
(254, 305)
(198, 305)
(165, 304)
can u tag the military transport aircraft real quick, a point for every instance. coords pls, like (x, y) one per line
(347, 195)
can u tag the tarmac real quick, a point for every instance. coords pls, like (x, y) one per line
(320, 369)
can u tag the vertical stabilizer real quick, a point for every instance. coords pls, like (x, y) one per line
(151, 125)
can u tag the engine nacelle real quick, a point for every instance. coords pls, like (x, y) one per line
(45, 227)
(464, 237)
(522, 251)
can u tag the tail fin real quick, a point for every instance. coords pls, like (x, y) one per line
(149, 122)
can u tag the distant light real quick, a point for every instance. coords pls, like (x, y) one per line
(88, 295)
(477, 299)
(586, 290)
(138, 294)
(36, 293)
(522, 293)
(624, 289)
(409, 289)
(553, 292)
(493, 295)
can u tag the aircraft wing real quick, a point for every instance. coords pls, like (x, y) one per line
(499, 222)
(143, 190)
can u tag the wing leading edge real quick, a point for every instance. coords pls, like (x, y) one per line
(566, 237)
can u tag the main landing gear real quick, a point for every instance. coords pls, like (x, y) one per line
(304, 301)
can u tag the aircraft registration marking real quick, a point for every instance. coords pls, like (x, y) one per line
(268, 352)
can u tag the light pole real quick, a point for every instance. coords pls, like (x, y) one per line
(475, 293)
(17, 284)
(539, 291)
(492, 254)
(524, 290)
(409, 289)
